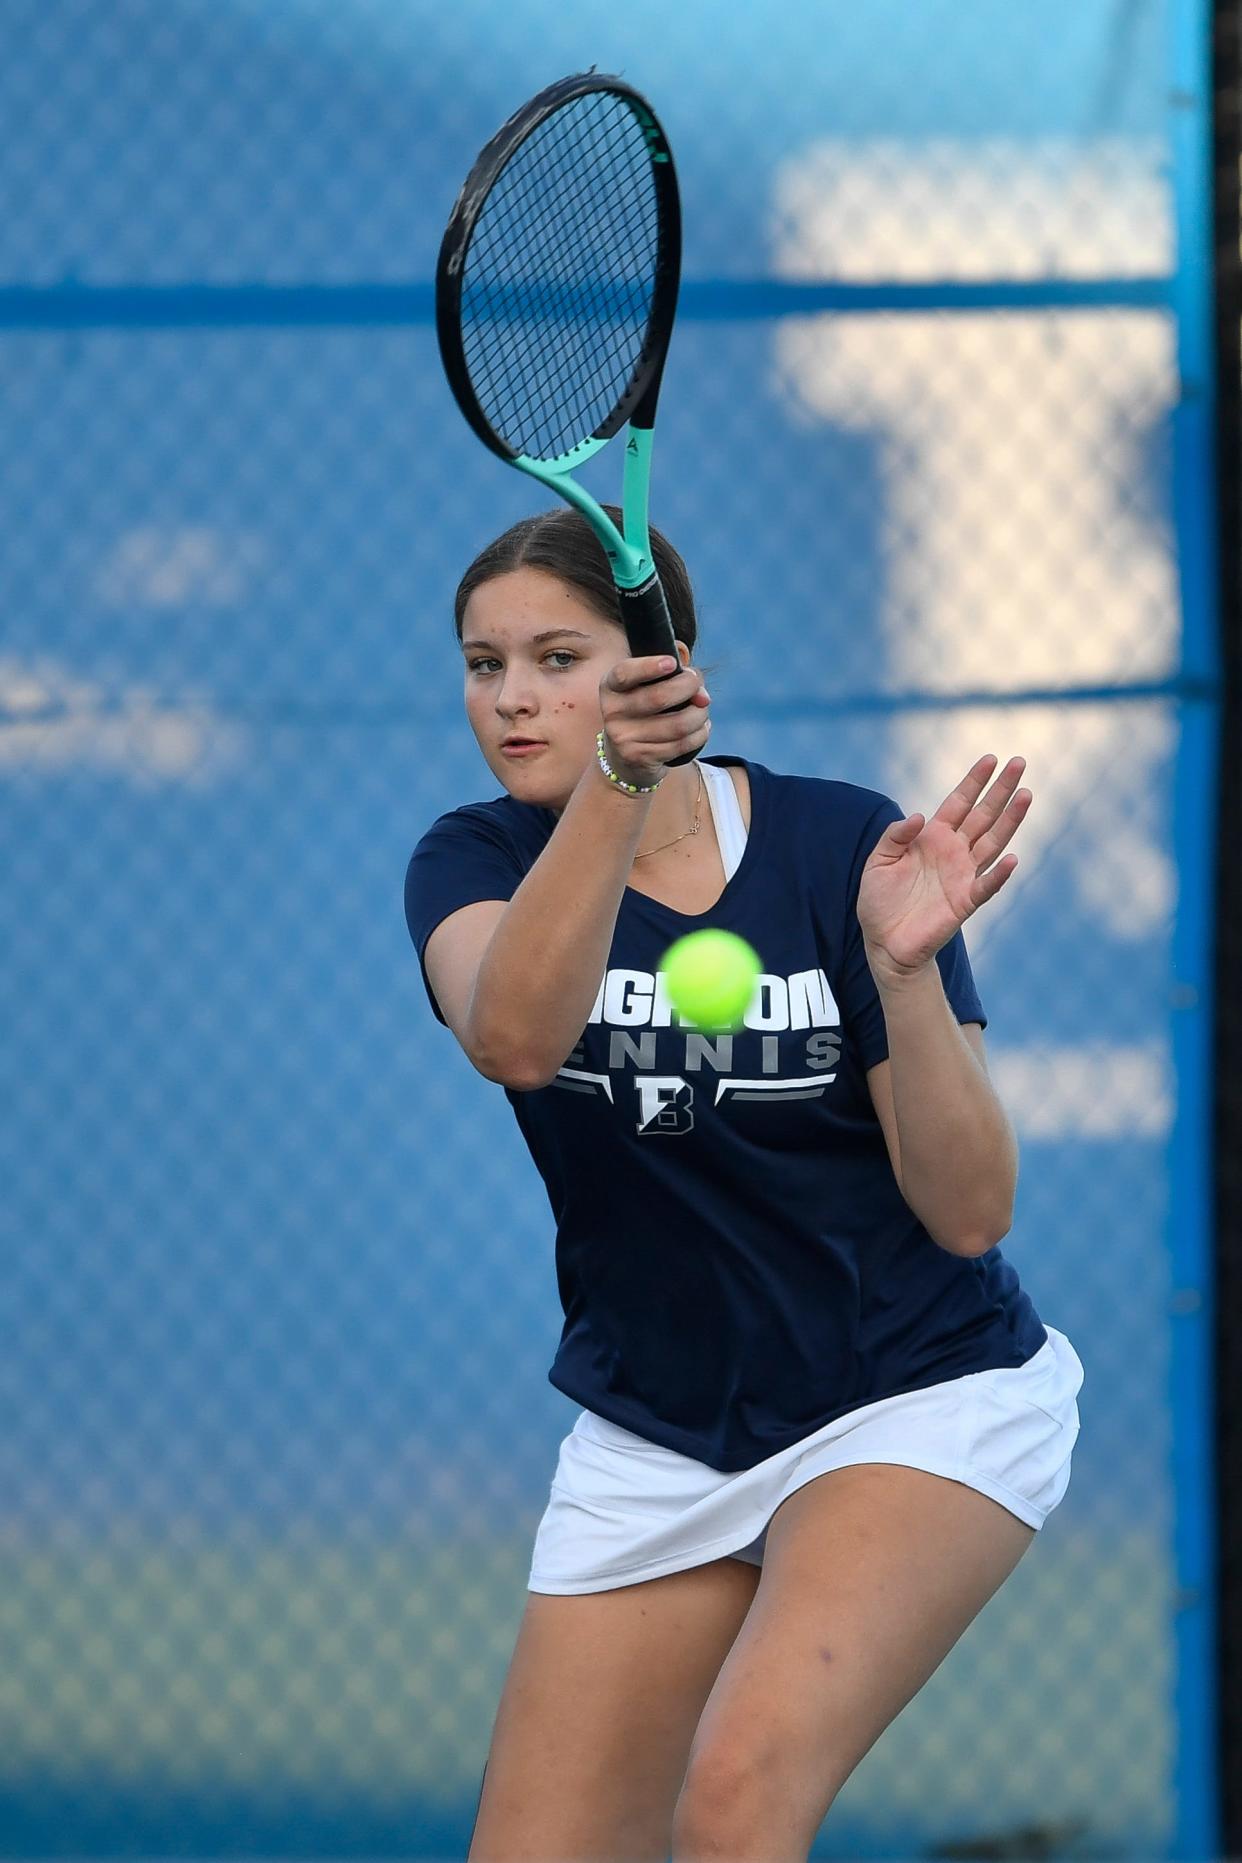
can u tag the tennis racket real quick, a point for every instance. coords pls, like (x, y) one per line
(556, 290)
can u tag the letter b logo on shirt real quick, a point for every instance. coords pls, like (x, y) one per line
(665, 1103)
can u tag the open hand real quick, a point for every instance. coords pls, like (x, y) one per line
(925, 878)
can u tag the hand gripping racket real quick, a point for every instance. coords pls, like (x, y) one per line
(556, 289)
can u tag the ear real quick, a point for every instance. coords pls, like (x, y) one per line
(683, 653)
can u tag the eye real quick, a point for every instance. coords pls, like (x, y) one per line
(560, 654)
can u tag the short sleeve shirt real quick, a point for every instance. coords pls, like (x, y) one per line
(736, 1264)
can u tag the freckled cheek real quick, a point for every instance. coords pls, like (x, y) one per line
(583, 699)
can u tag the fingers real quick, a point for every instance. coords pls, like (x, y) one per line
(650, 717)
(987, 885)
(648, 687)
(898, 835)
(642, 757)
(985, 813)
(987, 824)
(627, 674)
(989, 845)
(958, 804)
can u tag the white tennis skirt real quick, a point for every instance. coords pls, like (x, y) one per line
(623, 1509)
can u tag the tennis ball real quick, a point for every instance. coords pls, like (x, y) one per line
(710, 976)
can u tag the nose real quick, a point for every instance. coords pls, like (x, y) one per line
(516, 698)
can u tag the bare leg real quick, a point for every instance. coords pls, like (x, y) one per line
(870, 1576)
(598, 1711)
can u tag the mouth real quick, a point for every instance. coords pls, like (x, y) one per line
(521, 746)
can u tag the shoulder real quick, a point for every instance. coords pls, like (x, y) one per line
(503, 824)
(850, 804)
(844, 809)
(483, 850)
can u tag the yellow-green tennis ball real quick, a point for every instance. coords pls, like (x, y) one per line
(710, 977)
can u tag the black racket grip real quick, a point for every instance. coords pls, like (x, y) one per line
(650, 631)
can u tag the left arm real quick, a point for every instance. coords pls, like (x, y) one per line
(953, 1151)
(952, 1148)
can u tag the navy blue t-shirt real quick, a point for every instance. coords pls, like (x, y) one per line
(736, 1264)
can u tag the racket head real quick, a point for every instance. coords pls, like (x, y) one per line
(556, 285)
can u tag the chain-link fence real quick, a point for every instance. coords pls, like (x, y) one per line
(274, 1426)
(1227, 1208)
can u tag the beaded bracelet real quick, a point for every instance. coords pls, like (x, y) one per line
(631, 789)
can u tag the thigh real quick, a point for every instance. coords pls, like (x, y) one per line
(870, 1576)
(597, 1715)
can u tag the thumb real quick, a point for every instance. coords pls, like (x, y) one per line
(900, 834)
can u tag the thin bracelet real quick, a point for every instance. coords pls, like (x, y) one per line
(631, 789)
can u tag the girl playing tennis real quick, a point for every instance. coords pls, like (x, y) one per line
(819, 1420)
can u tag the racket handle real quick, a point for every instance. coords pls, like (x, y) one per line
(649, 631)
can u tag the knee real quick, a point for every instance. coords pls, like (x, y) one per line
(716, 1807)
(734, 1805)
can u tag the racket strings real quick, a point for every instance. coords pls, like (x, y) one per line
(560, 275)
(617, 307)
(578, 373)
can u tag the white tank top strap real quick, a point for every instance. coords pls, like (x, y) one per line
(727, 815)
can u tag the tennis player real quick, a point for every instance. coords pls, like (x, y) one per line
(819, 1420)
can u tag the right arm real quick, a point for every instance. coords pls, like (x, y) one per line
(516, 979)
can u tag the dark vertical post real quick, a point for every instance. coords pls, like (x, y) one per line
(1227, 153)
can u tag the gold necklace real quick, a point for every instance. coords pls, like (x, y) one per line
(693, 829)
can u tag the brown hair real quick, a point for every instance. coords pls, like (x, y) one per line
(562, 542)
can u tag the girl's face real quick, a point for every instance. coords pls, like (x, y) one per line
(535, 654)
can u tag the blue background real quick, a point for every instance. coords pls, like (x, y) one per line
(279, 1290)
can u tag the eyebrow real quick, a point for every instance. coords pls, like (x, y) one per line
(554, 633)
